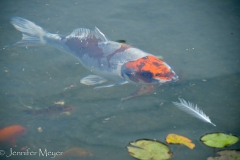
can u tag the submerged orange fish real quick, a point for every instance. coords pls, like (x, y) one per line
(107, 59)
(50, 110)
(8, 134)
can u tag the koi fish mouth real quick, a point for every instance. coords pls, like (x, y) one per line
(172, 80)
(148, 70)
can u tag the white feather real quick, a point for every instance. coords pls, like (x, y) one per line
(193, 110)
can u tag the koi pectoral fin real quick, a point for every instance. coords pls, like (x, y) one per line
(146, 89)
(111, 85)
(92, 80)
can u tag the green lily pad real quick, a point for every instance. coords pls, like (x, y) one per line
(227, 154)
(219, 140)
(149, 149)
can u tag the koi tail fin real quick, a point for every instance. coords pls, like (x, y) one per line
(32, 33)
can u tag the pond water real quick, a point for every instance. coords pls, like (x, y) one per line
(199, 39)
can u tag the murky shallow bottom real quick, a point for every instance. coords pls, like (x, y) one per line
(205, 58)
(102, 124)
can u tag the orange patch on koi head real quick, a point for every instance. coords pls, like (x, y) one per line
(149, 69)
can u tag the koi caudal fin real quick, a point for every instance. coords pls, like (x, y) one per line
(32, 33)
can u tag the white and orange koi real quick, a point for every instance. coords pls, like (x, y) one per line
(107, 59)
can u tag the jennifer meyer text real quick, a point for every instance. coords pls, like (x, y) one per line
(28, 152)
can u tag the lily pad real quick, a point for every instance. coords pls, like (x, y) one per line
(219, 140)
(227, 154)
(149, 149)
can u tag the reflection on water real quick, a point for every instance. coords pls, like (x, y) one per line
(199, 39)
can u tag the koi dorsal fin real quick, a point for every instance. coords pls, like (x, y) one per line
(83, 33)
(99, 34)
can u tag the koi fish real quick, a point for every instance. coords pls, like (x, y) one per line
(49, 110)
(8, 134)
(108, 60)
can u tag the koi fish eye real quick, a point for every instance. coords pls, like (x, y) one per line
(138, 77)
(147, 74)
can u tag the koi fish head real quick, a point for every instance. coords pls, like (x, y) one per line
(148, 70)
